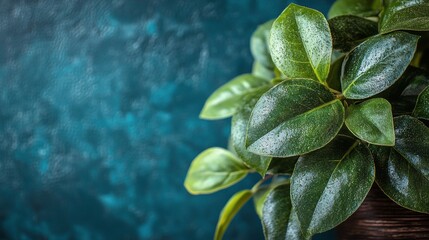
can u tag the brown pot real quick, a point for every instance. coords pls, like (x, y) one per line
(381, 218)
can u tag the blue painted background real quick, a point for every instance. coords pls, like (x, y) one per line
(99, 104)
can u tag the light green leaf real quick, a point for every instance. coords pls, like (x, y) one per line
(279, 219)
(259, 45)
(301, 44)
(330, 184)
(295, 117)
(238, 134)
(363, 8)
(349, 31)
(259, 199)
(213, 170)
(405, 15)
(231, 208)
(376, 64)
(403, 171)
(422, 106)
(372, 121)
(258, 70)
(225, 101)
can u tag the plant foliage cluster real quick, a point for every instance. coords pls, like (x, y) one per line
(330, 107)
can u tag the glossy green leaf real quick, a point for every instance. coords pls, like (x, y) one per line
(259, 45)
(422, 106)
(376, 64)
(258, 70)
(279, 219)
(295, 117)
(301, 44)
(403, 171)
(362, 8)
(213, 170)
(349, 31)
(329, 185)
(405, 15)
(230, 210)
(238, 134)
(372, 121)
(417, 79)
(225, 101)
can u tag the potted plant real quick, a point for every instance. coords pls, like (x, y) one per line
(331, 109)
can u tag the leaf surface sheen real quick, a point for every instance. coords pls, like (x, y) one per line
(295, 117)
(301, 43)
(328, 185)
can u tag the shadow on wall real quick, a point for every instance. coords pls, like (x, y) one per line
(98, 119)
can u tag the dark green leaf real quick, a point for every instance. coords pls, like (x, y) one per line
(230, 210)
(301, 44)
(403, 171)
(372, 121)
(282, 165)
(328, 185)
(334, 78)
(418, 80)
(213, 170)
(376, 64)
(225, 101)
(258, 70)
(295, 117)
(278, 218)
(405, 15)
(422, 106)
(259, 45)
(349, 31)
(363, 8)
(238, 134)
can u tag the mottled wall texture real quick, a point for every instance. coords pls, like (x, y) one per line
(99, 103)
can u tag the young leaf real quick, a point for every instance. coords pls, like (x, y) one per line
(363, 8)
(372, 121)
(405, 15)
(279, 219)
(403, 171)
(230, 210)
(238, 134)
(259, 199)
(422, 106)
(349, 31)
(259, 45)
(328, 185)
(213, 170)
(301, 44)
(334, 77)
(376, 64)
(225, 101)
(295, 117)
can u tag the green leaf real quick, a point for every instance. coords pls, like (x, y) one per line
(329, 185)
(259, 199)
(213, 170)
(279, 219)
(405, 15)
(258, 70)
(295, 117)
(403, 171)
(225, 101)
(376, 64)
(230, 210)
(422, 106)
(238, 134)
(301, 44)
(334, 78)
(363, 8)
(418, 80)
(349, 31)
(282, 165)
(259, 45)
(372, 121)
